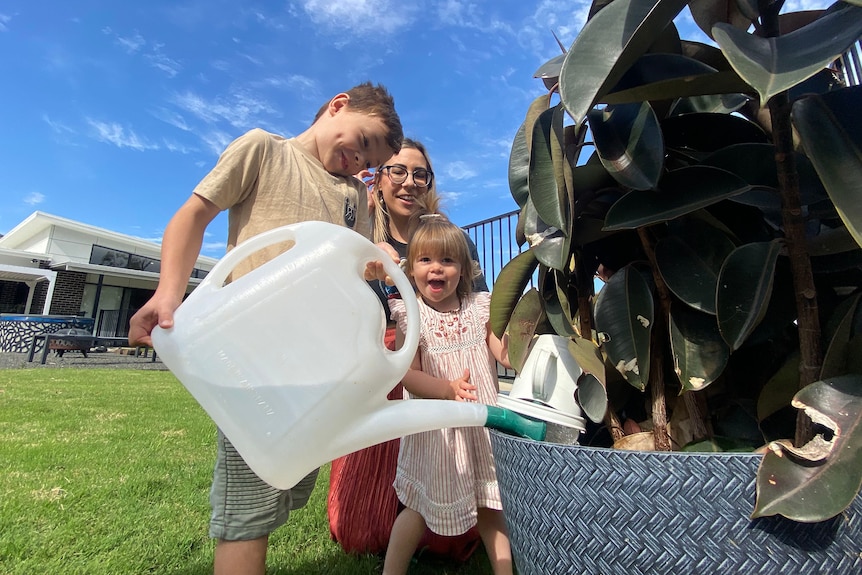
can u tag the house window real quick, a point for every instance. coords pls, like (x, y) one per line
(103, 256)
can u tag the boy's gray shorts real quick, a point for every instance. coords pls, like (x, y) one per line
(243, 505)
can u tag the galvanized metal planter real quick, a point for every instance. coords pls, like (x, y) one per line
(573, 509)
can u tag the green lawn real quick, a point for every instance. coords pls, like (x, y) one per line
(107, 472)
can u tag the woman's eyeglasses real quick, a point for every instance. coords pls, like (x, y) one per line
(422, 178)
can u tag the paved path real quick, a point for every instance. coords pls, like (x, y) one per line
(94, 360)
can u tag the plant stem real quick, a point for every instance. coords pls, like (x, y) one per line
(658, 341)
(614, 425)
(656, 384)
(808, 320)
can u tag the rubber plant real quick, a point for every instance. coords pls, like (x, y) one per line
(718, 190)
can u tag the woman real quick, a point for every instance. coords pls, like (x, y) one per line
(362, 504)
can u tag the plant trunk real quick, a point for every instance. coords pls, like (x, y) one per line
(808, 320)
(658, 343)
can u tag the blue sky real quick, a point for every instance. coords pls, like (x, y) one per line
(111, 112)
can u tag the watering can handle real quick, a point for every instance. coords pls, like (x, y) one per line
(544, 364)
(370, 252)
(216, 277)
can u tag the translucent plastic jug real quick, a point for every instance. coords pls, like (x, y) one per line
(289, 360)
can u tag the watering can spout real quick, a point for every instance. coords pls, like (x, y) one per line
(399, 418)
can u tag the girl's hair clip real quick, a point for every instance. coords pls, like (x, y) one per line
(425, 217)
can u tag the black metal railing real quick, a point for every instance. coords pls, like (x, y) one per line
(849, 65)
(496, 243)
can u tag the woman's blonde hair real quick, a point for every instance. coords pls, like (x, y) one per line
(429, 202)
(434, 235)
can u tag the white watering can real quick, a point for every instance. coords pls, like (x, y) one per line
(288, 360)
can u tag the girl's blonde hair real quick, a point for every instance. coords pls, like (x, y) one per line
(429, 202)
(434, 235)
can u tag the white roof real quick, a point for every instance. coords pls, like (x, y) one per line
(19, 240)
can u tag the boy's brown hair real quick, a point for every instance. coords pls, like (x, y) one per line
(435, 235)
(375, 101)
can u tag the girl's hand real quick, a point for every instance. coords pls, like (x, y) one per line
(374, 270)
(463, 388)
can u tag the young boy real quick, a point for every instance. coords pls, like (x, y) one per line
(268, 181)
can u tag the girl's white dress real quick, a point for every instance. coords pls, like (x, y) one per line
(446, 474)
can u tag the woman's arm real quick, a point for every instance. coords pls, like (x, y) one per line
(499, 347)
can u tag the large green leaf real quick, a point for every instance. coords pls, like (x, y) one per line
(589, 357)
(707, 13)
(519, 167)
(592, 396)
(690, 261)
(670, 76)
(744, 289)
(699, 353)
(710, 132)
(522, 327)
(728, 83)
(544, 180)
(709, 55)
(537, 107)
(821, 479)
(772, 65)
(679, 192)
(557, 306)
(838, 352)
(651, 68)
(624, 318)
(550, 69)
(835, 153)
(508, 288)
(778, 392)
(754, 162)
(610, 42)
(548, 244)
(629, 143)
(710, 103)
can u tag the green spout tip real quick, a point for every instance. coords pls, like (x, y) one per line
(515, 424)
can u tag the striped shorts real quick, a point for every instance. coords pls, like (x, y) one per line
(244, 506)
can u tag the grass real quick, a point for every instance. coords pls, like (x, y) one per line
(107, 472)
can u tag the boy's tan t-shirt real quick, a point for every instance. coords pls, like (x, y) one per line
(267, 181)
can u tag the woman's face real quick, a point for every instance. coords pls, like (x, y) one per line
(400, 199)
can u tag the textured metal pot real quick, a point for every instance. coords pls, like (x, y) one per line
(574, 509)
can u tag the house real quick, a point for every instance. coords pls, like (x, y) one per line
(59, 267)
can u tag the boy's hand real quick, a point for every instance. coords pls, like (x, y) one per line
(463, 388)
(157, 311)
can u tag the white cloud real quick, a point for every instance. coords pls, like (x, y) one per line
(564, 20)
(800, 5)
(4, 19)
(448, 200)
(114, 133)
(34, 198)
(213, 247)
(173, 146)
(159, 60)
(130, 44)
(459, 170)
(172, 118)
(217, 141)
(355, 15)
(307, 88)
(57, 127)
(240, 109)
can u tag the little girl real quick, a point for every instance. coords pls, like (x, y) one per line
(446, 478)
